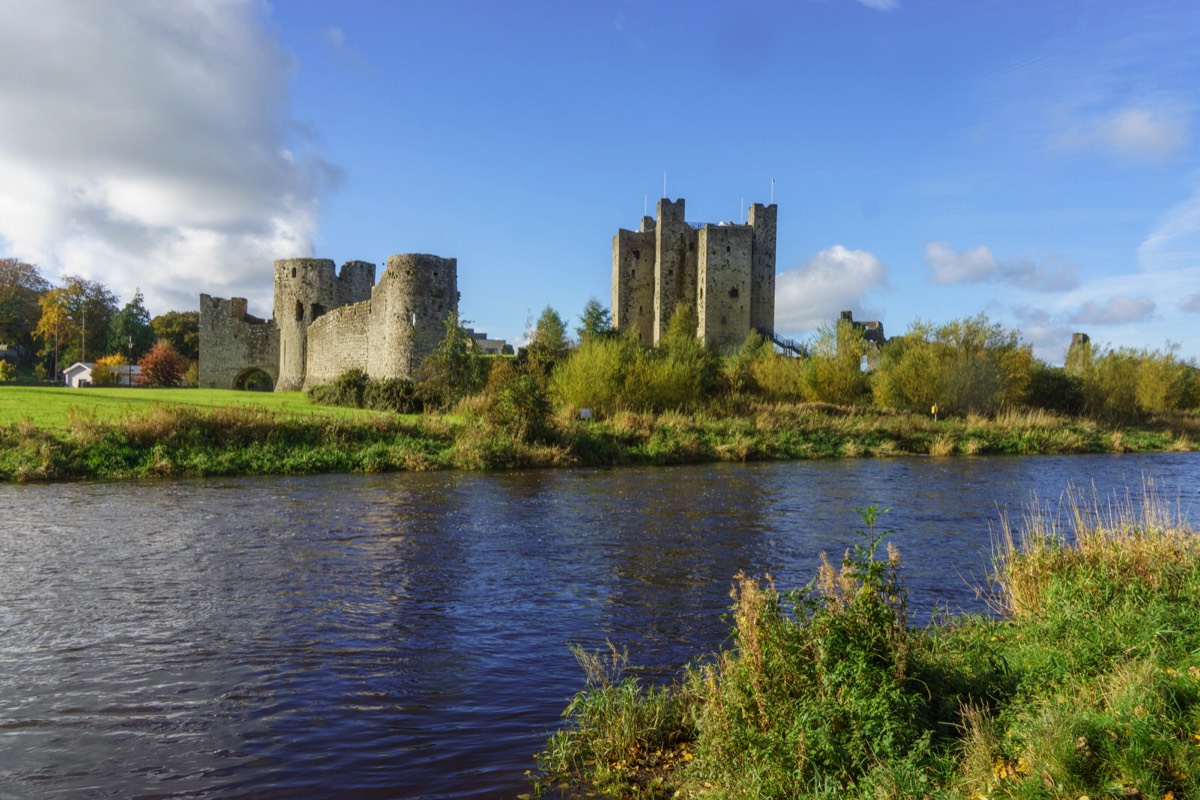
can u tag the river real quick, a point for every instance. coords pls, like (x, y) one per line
(406, 635)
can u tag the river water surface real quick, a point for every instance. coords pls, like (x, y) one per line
(406, 635)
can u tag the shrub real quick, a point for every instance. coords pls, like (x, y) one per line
(453, 370)
(8, 371)
(1053, 389)
(107, 371)
(516, 401)
(395, 394)
(162, 366)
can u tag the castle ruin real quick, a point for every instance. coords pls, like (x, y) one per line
(725, 271)
(327, 322)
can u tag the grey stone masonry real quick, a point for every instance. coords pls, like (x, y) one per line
(234, 344)
(726, 272)
(328, 322)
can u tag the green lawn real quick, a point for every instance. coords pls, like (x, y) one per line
(50, 407)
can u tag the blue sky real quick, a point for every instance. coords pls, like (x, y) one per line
(931, 159)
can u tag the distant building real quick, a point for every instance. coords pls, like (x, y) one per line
(79, 374)
(490, 347)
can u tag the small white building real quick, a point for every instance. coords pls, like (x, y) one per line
(79, 374)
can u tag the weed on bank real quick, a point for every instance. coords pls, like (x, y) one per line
(1086, 683)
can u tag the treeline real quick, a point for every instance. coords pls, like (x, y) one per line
(44, 328)
(969, 366)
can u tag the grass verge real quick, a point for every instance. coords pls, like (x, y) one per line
(1086, 683)
(60, 433)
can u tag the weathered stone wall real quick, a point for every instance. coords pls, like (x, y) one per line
(338, 341)
(671, 280)
(762, 220)
(723, 295)
(633, 280)
(234, 343)
(408, 312)
(354, 283)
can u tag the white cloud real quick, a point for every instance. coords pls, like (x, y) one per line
(1192, 304)
(1115, 311)
(969, 266)
(1047, 336)
(1139, 133)
(881, 5)
(980, 266)
(149, 144)
(831, 281)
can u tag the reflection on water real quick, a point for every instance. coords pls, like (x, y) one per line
(405, 635)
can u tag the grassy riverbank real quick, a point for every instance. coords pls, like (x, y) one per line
(1086, 684)
(55, 434)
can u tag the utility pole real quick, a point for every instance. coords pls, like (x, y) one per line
(129, 370)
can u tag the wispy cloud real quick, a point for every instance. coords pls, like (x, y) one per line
(979, 265)
(1138, 133)
(1118, 310)
(831, 281)
(1192, 304)
(160, 153)
(881, 5)
(1175, 241)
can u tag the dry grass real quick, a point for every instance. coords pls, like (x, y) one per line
(1145, 540)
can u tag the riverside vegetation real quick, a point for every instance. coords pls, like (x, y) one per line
(675, 403)
(1086, 683)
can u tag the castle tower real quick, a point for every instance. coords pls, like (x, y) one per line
(408, 312)
(305, 288)
(633, 280)
(671, 281)
(762, 267)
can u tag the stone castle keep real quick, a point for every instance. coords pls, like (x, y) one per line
(725, 271)
(326, 322)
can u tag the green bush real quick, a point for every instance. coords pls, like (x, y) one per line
(395, 394)
(348, 389)
(8, 371)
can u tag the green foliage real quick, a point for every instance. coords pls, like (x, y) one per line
(8, 371)
(1054, 389)
(548, 342)
(834, 371)
(74, 319)
(1125, 383)
(602, 373)
(454, 369)
(161, 366)
(596, 320)
(347, 389)
(129, 332)
(181, 329)
(21, 285)
(1088, 684)
(354, 389)
(517, 401)
(963, 366)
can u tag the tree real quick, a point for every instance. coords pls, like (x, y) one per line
(74, 320)
(131, 324)
(834, 373)
(21, 285)
(548, 342)
(596, 320)
(182, 330)
(161, 366)
(453, 370)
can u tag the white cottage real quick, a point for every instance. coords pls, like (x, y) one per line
(79, 374)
